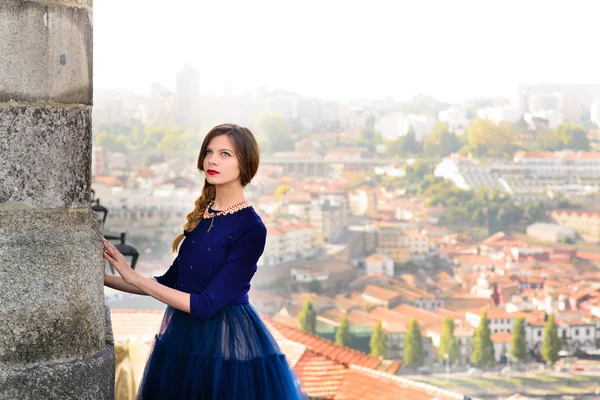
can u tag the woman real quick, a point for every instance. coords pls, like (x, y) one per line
(212, 343)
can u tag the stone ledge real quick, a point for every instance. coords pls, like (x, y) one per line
(87, 378)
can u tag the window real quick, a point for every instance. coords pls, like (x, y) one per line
(587, 331)
(576, 332)
(539, 333)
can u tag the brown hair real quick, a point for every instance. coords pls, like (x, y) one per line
(246, 149)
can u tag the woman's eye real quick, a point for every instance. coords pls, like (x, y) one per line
(226, 153)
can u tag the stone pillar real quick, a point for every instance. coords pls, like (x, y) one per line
(55, 341)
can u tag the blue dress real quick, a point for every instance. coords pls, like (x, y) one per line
(221, 349)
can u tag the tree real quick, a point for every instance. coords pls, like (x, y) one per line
(409, 142)
(413, 346)
(534, 212)
(485, 138)
(342, 335)
(441, 142)
(417, 171)
(448, 344)
(315, 286)
(273, 133)
(368, 137)
(483, 347)
(572, 136)
(308, 318)
(551, 343)
(378, 342)
(281, 190)
(518, 345)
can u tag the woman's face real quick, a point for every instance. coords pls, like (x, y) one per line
(221, 165)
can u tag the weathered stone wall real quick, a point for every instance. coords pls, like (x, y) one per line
(55, 340)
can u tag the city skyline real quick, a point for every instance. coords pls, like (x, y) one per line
(341, 51)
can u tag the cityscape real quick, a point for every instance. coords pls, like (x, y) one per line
(456, 242)
(426, 187)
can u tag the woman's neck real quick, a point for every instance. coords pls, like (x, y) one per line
(227, 197)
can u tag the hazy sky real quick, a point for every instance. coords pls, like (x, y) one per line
(333, 49)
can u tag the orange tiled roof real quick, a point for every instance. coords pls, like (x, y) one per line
(321, 377)
(364, 384)
(328, 349)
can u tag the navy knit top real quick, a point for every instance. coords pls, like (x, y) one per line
(216, 267)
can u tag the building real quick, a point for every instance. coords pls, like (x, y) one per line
(395, 125)
(328, 219)
(551, 232)
(390, 240)
(456, 117)
(187, 96)
(417, 243)
(498, 114)
(585, 223)
(287, 242)
(379, 263)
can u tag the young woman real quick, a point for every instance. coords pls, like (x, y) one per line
(212, 343)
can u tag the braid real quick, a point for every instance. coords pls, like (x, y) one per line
(193, 219)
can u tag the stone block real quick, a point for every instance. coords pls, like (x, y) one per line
(45, 156)
(46, 51)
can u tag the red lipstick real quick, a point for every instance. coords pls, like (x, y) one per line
(212, 172)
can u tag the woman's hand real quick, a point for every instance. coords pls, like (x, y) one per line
(117, 260)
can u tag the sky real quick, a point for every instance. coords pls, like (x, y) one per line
(450, 49)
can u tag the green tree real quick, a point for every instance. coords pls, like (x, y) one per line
(518, 345)
(308, 318)
(572, 136)
(378, 342)
(368, 137)
(315, 286)
(342, 335)
(417, 171)
(534, 212)
(551, 343)
(441, 142)
(485, 138)
(273, 133)
(413, 346)
(483, 347)
(448, 343)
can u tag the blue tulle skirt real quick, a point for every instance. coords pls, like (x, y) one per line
(231, 356)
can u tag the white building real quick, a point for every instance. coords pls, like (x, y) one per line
(418, 244)
(456, 117)
(550, 232)
(397, 124)
(379, 263)
(498, 114)
(289, 242)
(187, 96)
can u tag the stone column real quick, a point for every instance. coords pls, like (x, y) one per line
(55, 341)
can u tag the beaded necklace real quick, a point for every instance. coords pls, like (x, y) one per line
(229, 210)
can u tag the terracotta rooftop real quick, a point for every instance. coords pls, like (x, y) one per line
(365, 384)
(329, 349)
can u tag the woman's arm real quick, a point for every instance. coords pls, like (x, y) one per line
(174, 298)
(116, 282)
